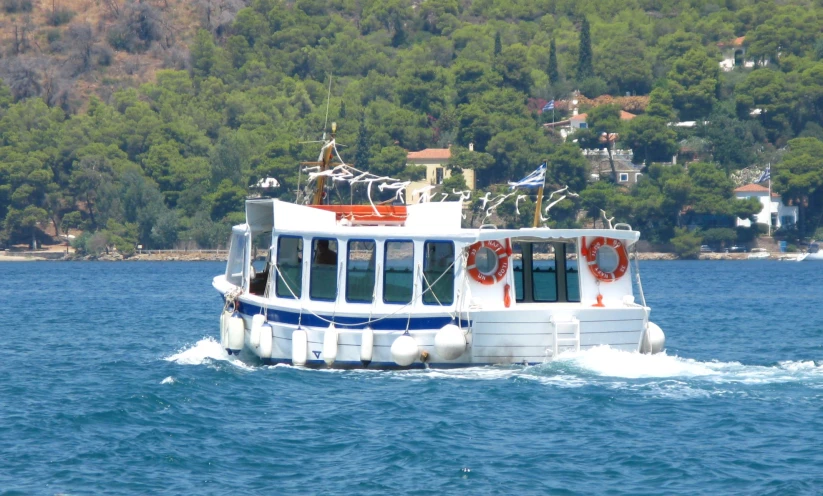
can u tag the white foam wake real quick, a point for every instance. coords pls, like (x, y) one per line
(207, 351)
(608, 362)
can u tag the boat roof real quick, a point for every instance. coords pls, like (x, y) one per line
(425, 220)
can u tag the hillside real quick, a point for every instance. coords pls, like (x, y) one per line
(146, 121)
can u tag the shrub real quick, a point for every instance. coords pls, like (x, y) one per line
(12, 6)
(686, 244)
(59, 16)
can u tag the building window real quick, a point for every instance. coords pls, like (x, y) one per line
(438, 175)
(439, 262)
(290, 265)
(398, 273)
(584, 125)
(360, 271)
(323, 269)
(624, 177)
(637, 176)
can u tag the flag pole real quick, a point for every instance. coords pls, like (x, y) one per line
(769, 168)
(539, 202)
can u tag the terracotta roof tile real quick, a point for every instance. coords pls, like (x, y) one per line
(431, 153)
(752, 188)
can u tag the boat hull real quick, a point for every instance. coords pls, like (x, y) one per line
(505, 336)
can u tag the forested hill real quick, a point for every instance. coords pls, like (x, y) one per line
(146, 121)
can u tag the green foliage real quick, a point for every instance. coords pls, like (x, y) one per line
(585, 67)
(553, 70)
(719, 236)
(693, 82)
(686, 244)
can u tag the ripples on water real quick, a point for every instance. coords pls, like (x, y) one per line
(113, 383)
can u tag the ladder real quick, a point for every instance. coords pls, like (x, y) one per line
(565, 328)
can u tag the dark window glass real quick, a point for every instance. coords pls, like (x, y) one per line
(323, 269)
(517, 266)
(290, 265)
(572, 273)
(544, 272)
(398, 274)
(439, 259)
(360, 271)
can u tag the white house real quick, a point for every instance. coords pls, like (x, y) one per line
(773, 213)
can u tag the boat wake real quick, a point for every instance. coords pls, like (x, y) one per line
(206, 351)
(570, 369)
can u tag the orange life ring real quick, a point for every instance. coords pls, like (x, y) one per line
(500, 269)
(590, 253)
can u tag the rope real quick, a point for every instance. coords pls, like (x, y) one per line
(367, 322)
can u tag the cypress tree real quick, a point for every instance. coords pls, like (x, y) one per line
(498, 45)
(554, 74)
(584, 61)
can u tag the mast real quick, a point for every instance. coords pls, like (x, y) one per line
(325, 161)
(539, 204)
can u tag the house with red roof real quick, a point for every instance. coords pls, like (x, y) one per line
(774, 213)
(436, 162)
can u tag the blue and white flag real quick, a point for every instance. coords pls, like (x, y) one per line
(549, 106)
(533, 180)
(766, 175)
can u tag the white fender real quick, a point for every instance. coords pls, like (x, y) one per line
(264, 350)
(299, 347)
(224, 332)
(257, 323)
(655, 339)
(404, 350)
(236, 334)
(366, 345)
(450, 342)
(330, 345)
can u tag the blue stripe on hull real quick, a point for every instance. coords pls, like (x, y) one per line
(310, 320)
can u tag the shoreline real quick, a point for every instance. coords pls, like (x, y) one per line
(197, 256)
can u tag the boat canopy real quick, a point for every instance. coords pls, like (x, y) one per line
(540, 234)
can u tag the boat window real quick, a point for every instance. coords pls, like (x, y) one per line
(572, 273)
(236, 260)
(360, 271)
(259, 276)
(517, 267)
(290, 265)
(544, 272)
(398, 275)
(323, 269)
(439, 262)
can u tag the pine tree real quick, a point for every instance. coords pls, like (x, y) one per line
(554, 73)
(584, 61)
(498, 44)
(362, 155)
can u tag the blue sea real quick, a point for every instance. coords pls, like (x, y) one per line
(111, 382)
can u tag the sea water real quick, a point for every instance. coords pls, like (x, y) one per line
(112, 382)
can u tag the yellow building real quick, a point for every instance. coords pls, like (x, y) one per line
(436, 161)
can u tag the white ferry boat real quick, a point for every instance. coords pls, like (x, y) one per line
(395, 286)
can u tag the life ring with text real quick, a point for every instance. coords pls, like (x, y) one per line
(491, 251)
(607, 274)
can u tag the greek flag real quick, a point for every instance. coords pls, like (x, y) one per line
(549, 106)
(766, 175)
(533, 180)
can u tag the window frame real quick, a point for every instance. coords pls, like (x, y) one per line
(623, 177)
(386, 270)
(425, 259)
(336, 269)
(348, 250)
(279, 269)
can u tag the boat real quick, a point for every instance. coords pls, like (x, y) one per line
(758, 254)
(814, 253)
(389, 286)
